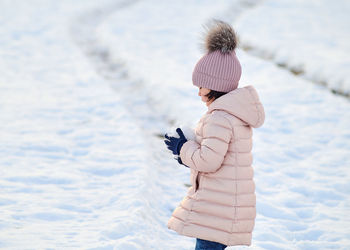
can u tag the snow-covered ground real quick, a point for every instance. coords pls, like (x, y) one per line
(310, 38)
(87, 89)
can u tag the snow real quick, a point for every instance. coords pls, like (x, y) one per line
(73, 160)
(88, 89)
(310, 38)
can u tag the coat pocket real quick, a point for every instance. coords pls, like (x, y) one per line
(197, 182)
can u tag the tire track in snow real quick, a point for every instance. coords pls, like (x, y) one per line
(83, 32)
(234, 13)
(297, 70)
(156, 206)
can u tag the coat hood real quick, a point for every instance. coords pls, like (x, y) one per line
(243, 103)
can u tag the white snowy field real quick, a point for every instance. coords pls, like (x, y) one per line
(311, 38)
(87, 89)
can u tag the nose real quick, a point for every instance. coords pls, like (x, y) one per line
(199, 92)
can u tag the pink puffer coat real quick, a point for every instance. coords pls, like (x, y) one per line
(220, 205)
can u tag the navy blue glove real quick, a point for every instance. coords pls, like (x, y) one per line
(175, 144)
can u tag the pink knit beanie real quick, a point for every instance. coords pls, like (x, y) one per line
(219, 69)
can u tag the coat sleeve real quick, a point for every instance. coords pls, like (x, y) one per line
(210, 153)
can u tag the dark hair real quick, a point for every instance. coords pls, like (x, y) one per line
(214, 94)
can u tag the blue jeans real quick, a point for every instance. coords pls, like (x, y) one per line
(209, 245)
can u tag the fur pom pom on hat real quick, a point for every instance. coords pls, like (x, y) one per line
(220, 36)
(219, 69)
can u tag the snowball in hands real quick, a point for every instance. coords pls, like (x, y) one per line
(175, 143)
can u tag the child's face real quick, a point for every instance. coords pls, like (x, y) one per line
(202, 93)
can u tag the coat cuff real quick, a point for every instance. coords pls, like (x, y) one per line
(186, 152)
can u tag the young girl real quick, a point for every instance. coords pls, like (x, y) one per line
(219, 209)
